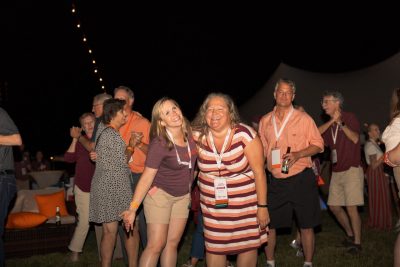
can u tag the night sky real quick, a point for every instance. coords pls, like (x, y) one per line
(47, 77)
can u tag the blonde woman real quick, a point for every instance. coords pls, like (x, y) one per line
(164, 187)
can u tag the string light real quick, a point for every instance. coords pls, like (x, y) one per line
(86, 44)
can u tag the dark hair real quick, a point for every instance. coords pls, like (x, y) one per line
(111, 108)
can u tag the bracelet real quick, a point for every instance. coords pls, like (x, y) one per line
(387, 161)
(262, 206)
(134, 205)
(131, 149)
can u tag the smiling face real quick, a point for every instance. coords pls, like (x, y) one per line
(119, 119)
(87, 124)
(330, 105)
(284, 95)
(217, 114)
(170, 115)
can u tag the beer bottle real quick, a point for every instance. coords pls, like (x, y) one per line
(58, 216)
(285, 163)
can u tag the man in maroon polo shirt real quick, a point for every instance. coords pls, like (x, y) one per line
(342, 134)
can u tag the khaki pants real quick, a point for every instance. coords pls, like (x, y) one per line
(82, 228)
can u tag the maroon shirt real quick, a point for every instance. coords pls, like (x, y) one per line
(348, 153)
(84, 168)
(172, 177)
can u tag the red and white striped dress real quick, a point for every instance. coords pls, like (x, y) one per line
(233, 229)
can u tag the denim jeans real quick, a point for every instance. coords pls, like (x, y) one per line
(8, 188)
(197, 250)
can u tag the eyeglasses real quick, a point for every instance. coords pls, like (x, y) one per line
(326, 101)
(94, 105)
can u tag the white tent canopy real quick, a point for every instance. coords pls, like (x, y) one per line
(366, 92)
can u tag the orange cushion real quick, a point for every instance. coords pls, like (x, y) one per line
(47, 204)
(24, 220)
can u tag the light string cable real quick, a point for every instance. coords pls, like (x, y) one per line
(78, 26)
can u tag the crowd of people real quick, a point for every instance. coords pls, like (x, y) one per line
(134, 177)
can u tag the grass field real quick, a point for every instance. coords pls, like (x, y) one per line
(377, 250)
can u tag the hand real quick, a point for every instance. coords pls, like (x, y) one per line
(292, 157)
(263, 217)
(136, 139)
(128, 217)
(93, 155)
(75, 132)
(337, 116)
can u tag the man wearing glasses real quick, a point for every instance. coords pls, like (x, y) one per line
(341, 133)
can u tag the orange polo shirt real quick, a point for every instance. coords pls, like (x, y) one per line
(299, 133)
(136, 123)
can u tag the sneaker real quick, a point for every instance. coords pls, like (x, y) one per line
(355, 249)
(187, 264)
(348, 241)
(294, 244)
(299, 253)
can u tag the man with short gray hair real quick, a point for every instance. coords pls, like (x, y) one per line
(342, 134)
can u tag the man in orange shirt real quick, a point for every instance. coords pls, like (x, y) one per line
(138, 126)
(289, 135)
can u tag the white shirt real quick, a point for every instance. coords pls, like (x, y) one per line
(371, 148)
(391, 135)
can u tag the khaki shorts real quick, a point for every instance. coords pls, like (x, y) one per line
(161, 207)
(347, 188)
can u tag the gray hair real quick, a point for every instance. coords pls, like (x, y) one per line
(335, 94)
(126, 89)
(288, 82)
(100, 98)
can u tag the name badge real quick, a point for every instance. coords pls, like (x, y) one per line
(334, 156)
(221, 193)
(276, 158)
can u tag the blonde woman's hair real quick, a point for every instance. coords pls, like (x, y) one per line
(200, 124)
(157, 130)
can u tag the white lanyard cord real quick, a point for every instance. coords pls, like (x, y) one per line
(334, 136)
(218, 157)
(278, 134)
(177, 154)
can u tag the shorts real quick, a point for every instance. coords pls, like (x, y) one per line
(347, 188)
(161, 207)
(296, 194)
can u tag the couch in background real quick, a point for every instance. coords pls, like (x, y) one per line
(44, 238)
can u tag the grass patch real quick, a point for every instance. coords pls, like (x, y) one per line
(377, 250)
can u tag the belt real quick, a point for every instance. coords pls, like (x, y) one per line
(7, 172)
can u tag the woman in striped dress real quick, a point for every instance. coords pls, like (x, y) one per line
(380, 206)
(232, 183)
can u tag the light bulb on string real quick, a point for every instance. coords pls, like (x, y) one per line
(95, 70)
(73, 10)
(78, 25)
(90, 51)
(94, 61)
(100, 79)
(84, 39)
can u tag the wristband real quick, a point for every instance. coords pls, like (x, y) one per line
(262, 206)
(387, 161)
(134, 205)
(130, 148)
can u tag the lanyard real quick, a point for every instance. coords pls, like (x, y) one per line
(334, 136)
(218, 157)
(278, 134)
(177, 154)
